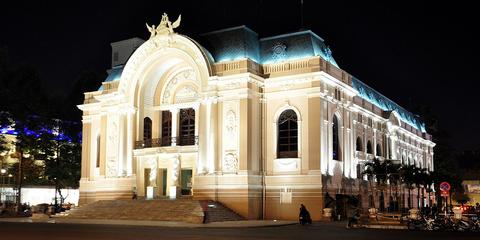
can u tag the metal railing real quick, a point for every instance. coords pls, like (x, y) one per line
(166, 142)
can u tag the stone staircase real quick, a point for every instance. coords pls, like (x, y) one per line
(217, 212)
(179, 210)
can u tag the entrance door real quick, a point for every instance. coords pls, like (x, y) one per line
(162, 182)
(186, 181)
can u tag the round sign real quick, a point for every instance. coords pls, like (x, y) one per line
(445, 186)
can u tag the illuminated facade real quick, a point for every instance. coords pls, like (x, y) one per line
(260, 125)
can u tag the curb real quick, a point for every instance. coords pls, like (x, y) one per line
(377, 226)
(170, 224)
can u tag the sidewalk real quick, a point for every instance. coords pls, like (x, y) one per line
(226, 224)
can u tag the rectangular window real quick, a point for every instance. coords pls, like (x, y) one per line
(187, 127)
(166, 128)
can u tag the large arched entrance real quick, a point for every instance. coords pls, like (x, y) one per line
(164, 82)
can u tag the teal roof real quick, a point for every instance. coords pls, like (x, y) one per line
(114, 75)
(242, 42)
(376, 98)
(232, 44)
(294, 45)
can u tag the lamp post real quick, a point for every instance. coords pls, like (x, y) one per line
(2, 172)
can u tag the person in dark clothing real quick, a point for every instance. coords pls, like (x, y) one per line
(434, 210)
(304, 216)
(354, 219)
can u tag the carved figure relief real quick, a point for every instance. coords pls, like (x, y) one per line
(230, 163)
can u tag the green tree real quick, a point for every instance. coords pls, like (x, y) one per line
(61, 151)
(27, 146)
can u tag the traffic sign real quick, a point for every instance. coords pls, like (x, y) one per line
(445, 186)
(445, 193)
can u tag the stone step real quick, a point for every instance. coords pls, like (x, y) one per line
(184, 210)
(217, 212)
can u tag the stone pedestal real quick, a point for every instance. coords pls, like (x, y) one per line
(150, 192)
(457, 213)
(173, 192)
(372, 212)
(327, 213)
(414, 213)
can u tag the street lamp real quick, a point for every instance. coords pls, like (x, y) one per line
(2, 171)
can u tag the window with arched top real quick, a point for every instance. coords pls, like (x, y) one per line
(335, 139)
(287, 141)
(147, 132)
(359, 144)
(379, 150)
(369, 147)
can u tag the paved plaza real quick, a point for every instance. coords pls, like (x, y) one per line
(334, 230)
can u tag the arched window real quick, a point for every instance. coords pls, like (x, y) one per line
(369, 147)
(187, 127)
(287, 142)
(359, 144)
(379, 150)
(147, 132)
(335, 140)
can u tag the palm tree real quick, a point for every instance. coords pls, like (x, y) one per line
(424, 180)
(407, 176)
(393, 177)
(376, 170)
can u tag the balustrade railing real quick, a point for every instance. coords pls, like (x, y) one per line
(166, 142)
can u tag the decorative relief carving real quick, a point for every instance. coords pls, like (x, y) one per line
(178, 79)
(152, 164)
(279, 52)
(286, 165)
(186, 94)
(230, 163)
(175, 169)
(230, 126)
(112, 146)
(112, 167)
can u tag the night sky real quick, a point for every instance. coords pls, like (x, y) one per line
(412, 52)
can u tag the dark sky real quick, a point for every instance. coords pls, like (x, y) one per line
(412, 52)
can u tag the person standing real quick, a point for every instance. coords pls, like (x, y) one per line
(304, 216)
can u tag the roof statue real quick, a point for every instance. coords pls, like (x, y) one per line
(152, 30)
(166, 27)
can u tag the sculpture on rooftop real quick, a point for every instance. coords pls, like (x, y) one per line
(152, 30)
(165, 27)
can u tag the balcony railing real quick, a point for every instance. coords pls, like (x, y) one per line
(166, 142)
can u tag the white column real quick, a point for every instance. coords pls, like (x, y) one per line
(330, 148)
(197, 122)
(325, 154)
(94, 147)
(210, 142)
(174, 112)
(121, 145)
(374, 141)
(129, 144)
